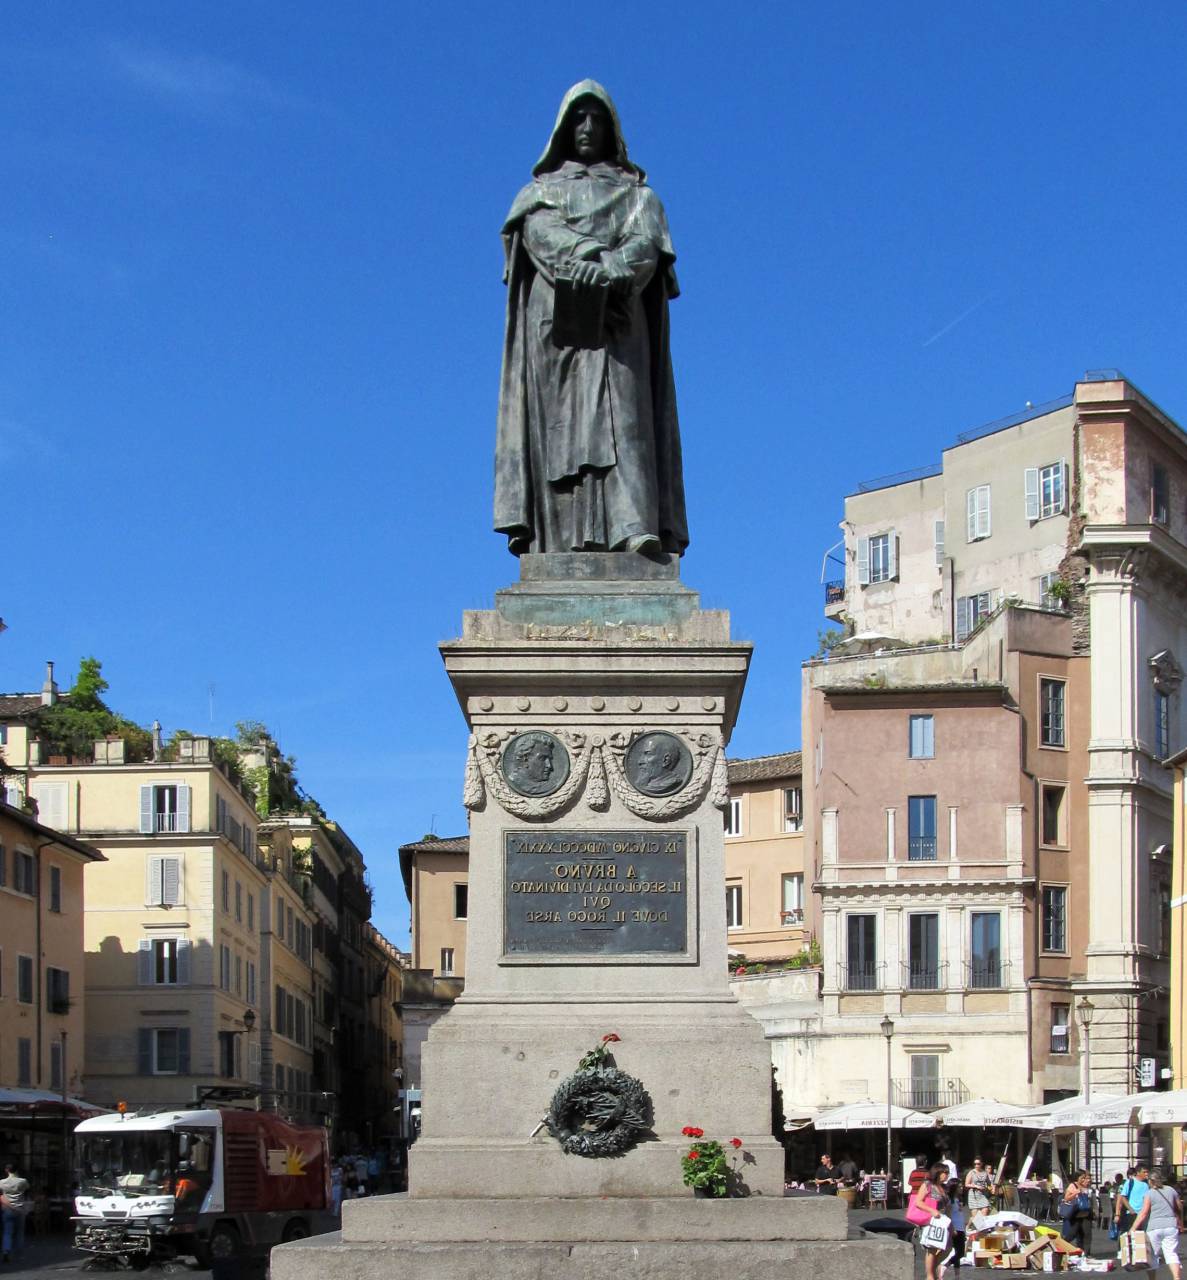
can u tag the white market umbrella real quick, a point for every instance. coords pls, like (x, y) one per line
(872, 1115)
(1163, 1108)
(978, 1113)
(1059, 1117)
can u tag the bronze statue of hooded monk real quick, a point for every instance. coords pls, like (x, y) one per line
(588, 452)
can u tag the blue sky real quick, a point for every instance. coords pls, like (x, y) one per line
(252, 316)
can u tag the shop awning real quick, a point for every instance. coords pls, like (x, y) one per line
(978, 1113)
(29, 1101)
(872, 1115)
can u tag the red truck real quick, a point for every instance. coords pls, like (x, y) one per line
(202, 1182)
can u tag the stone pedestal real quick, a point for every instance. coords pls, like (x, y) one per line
(600, 699)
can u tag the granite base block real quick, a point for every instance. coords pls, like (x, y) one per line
(401, 1219)
(329, 1256)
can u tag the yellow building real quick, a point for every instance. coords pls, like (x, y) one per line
(436, 879)
(767, 908)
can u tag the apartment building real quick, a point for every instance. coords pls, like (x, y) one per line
(987, 810)
(385, 1041)
(767, 914)
(436, 880)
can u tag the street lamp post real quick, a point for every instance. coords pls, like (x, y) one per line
(888, 1032)
(1084, 1011)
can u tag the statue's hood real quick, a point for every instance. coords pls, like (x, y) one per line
(554, 153)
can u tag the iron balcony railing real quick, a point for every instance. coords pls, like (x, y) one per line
(164, 822)
(925, 977)
(866, 976)
(921, 848)
(928, 1095)
(986, 975)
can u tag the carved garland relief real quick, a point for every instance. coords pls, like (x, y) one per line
(656, 774)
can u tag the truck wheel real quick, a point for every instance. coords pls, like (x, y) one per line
(223, 1244)
(295, 1230)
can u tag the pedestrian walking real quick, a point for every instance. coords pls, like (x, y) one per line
(932, 1200)
(1161, 1217)
(977, 1184)
(15, 1203)
(1075, 1209)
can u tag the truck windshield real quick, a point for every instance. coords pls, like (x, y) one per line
(130, 1164)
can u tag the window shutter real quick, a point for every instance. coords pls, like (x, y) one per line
(3, 865)
(183, 1051)
(983, 525)
(929, 736)
(183, 808)
(183, 962)
(144, 971)
(964, 611)
(939, 534)
(892, 553)
(170, 881)
(971, 514)
(146, 809)
(144, 1039)
(1031, 486)
(1063, 485)
(863, 561)
(152, 880)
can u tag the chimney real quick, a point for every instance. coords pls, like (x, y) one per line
(49, 690)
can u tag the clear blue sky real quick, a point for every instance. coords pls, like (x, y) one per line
(252, 316)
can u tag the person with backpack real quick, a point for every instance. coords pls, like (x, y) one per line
(1131, 1197)
(1161, 1217)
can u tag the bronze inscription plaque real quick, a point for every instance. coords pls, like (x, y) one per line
(595, 893)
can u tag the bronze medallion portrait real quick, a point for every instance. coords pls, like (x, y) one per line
(535, 763)
(658, 764)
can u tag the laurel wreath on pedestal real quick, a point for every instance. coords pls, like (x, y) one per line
(598, 1110)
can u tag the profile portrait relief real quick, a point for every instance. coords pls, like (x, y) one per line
(588, 450)
(535, 764)
(658, 764)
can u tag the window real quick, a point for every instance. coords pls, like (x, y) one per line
(24, 875)
(3, 864)
(251, 912)
(793, 808)
(733, 818)
(923, 952)
(281, 1009)
(446, 961)
(238, 900)
(55, 1064)
(57, 990)
(1054, 813)
(1055, 917)
(978, 513)
(52, 802)
(1045, 490)
(939, 543)
(163, 882)
(1046, 588)
(24, 979)
(880, 558)
(1160, 494)
(925, 1081)
(921, 828)
(238, 975)
(1051, 713)
(24, 1058)
(921, 737)
(971, 611)
(164, 960)
(228, 1044)
(224, 967)
(1060, 1037)
(986, 966)
(279, 916)
(226, 891)
(733, 906)
(793, 899)
(251, 982)
(861, 953)
(55, 889)
(164, 1051)
(1162, 724)
(291, 929)
(1164, 917)
(164, 808)
(461, 901)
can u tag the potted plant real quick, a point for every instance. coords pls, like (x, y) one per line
(705, 1168)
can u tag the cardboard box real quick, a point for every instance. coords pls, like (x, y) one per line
(1013, 1262)
(984, 1258)
(1135, 1249)
(1052, 1261)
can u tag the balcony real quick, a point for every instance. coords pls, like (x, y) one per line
(921, 848)
(866, 976)
(925, 977)
(986, 975)
(164, 822)
(928, 1094)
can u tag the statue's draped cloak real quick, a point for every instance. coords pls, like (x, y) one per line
(588, 451)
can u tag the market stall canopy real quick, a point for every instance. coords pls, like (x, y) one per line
(978, 1113)
(1163, 1108)
(872, 1115)
(1060, 1117)
(38, 1100)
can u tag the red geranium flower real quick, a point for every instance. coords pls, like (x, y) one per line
(611, 1039)
(735, 1142)
(690, 1132)
(694, 1154)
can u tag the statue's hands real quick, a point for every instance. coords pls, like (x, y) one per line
(588, 273)
(619, 275)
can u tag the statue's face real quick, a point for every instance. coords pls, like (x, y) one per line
(591, 130)
(654, 758)
(538, 762)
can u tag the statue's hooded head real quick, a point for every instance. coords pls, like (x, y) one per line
(560, 145)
